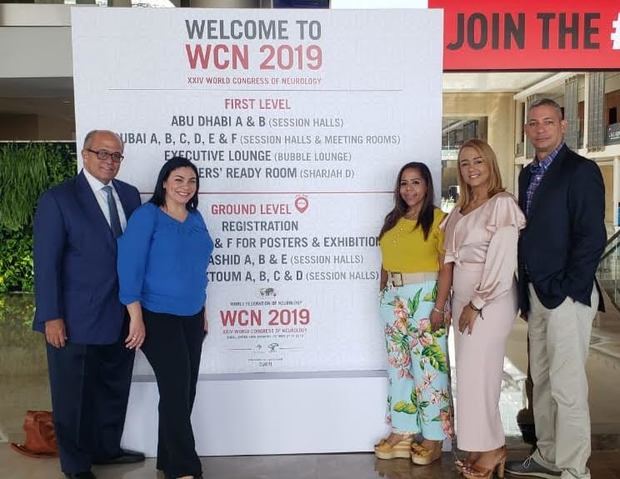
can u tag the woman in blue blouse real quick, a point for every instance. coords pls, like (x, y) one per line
(162, 266)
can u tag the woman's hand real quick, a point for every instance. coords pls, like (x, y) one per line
(467, 319)
(137, 332)
(437, 319)
(382, 280)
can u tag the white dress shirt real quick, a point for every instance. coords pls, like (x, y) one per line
(102, 198)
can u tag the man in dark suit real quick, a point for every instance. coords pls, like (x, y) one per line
(563, 197)
(90, 344)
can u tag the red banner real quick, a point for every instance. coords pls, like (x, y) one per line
(520, 35)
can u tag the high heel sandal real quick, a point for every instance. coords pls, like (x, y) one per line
(476, 472)
(467, 462)
(423, 456)
(401, 449)
(460, 465)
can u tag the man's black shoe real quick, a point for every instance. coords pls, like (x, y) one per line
(80, 475)
(530, 468)
(125, 457)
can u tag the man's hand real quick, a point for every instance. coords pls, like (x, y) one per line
(55, 332)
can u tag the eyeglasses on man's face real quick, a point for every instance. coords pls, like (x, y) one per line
(104, 155)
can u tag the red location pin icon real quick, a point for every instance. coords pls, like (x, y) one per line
(301, 203)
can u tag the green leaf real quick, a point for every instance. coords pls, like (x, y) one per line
(26, 170)
(432, 296)
(439, 333)
(405, 407)
(401, 341)
(436, 357)
(413, 303)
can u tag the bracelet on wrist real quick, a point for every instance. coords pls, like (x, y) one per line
(471, 305)
(437, 310)
(477, 310)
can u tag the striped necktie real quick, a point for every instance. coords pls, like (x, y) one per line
(115, 222)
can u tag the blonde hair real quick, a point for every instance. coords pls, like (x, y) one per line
(495, 178)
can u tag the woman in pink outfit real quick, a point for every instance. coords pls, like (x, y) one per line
(481, 236)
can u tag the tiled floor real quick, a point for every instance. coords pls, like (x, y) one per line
(23, 385)
(603, 465)
(327, 466)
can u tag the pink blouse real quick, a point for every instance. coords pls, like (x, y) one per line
(486, 236)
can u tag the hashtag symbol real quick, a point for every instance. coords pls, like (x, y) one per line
(615, 33)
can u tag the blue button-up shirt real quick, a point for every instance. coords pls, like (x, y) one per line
(538, 170)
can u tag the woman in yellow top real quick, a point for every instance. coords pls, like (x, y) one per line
(414, 292)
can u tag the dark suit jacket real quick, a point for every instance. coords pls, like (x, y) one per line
(75, 262)
(565, 235)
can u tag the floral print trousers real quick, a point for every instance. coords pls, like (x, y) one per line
(418, 392)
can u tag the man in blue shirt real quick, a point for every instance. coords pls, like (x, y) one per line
(563, 196)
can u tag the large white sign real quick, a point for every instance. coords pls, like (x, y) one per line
(298, 122)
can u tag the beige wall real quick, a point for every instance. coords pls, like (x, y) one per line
(608, 179)
(16, 127)
(51, 128)
(499, 108)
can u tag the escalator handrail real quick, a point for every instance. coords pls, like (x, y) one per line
(613, 238)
